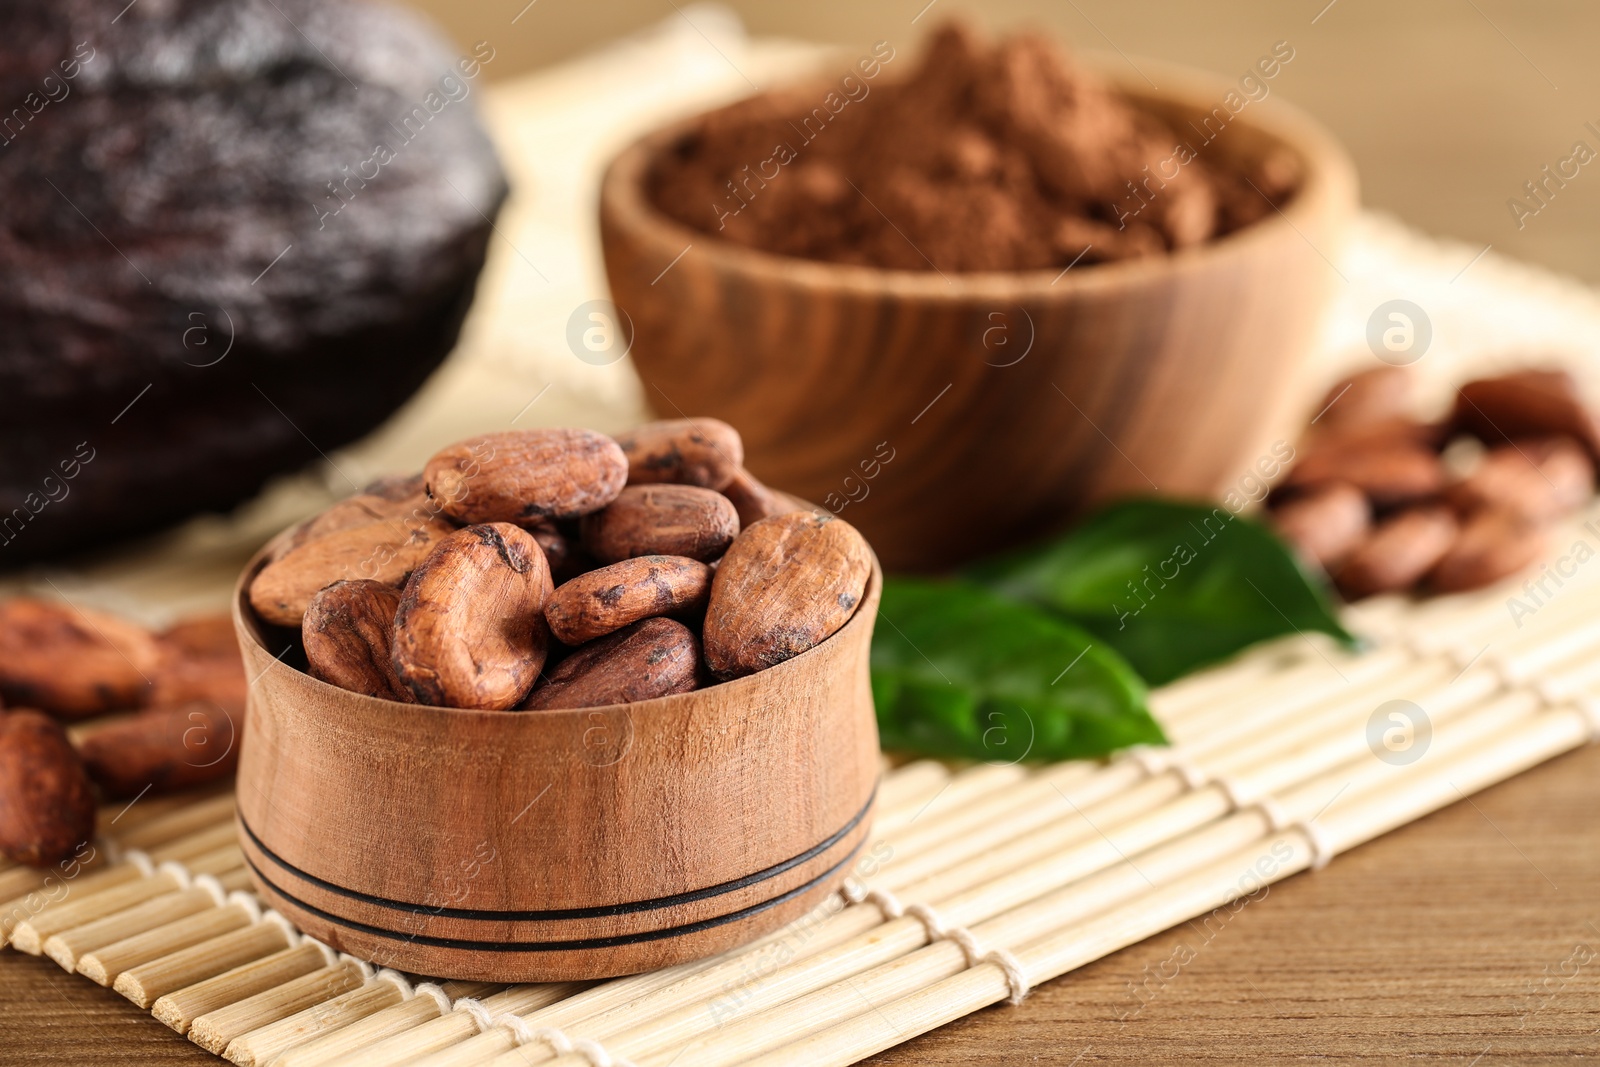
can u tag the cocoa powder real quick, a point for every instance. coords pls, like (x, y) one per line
(985, 157)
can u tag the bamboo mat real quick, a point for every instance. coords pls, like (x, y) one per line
(981, 881)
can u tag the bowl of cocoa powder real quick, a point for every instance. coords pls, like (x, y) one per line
(959, 300)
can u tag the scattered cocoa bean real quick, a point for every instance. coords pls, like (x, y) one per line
(162, 749)
(1372, 397)
(46, 804)
(754, 501)
(703, 452)
(200, 660)
(470, 629)
(648, 659)
(785, 585)
(1326, 523)
(662, 520)
(1529, 403)
(1398, 552)
(1388, 472)
(347, 634)
(1539, 479)
(523, 476)
(73, 662)
(612, 597)
(383, 551)
(1492, 545)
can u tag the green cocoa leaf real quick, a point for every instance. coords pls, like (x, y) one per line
(959, 671)
(1170, 585)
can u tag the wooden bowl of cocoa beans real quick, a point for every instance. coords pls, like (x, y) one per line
(950, 411)
(561, 707)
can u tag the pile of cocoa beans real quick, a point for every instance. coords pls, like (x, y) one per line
(562, 568)
(64, 666)
(1387, 502)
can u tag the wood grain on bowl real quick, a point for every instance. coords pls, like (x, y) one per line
(560, 844)
(1009, 403)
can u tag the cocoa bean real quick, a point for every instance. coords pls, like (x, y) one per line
(523, 476)
(470, 629)
(1529, 403)
(754, 501)
(648, 659)
(610, 598)
(1388, 472)
(1491, 545)
(703, 452)
(1372, 397)
(1539, 479)
(200, 660)
(785, 585)
(382, 551)
(73, 662)
(1324, 524)
(46, 804)
(400, 499)
(662, 520)
(163, 749)
(1398, 552)
(564, 554)
(347, 634)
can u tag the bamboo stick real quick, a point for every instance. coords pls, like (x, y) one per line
(323, 1017)
(216, 1029)
(457, 1025)
(193, 818)
(30, 934)
(103, 965)
(179, 1009)
(145, 983)
(69, 946)
(350, 1040)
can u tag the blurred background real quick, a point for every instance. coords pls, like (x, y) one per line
(1447, 106)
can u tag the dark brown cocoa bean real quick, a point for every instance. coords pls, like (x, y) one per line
(1326, 523)
(470, 629)
(524, 476)
(347, 633)
(1398, 552)
(643, 661)
(1529, 403)
(1538, 478)
(1371, 398)
(703, 452)
(662, 520)
(1390, 473)
(609, 598)
(46, 804)
(785, 585)
(754, 501)
(1491, 545)
(71, 661)
(163, 749)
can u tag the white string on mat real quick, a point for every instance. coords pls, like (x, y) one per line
(938, 930)
(440, 997)
(1322, 850)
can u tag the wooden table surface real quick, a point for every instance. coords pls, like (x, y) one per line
(1470, 937)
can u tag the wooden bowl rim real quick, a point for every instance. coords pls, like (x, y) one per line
(247, 625)
(1329, 176)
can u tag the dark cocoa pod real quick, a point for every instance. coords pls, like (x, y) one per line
(73, 662)
(1398, 552)
(46, 804)
(470, 629)
(648, 659)
(609, 598)
(703, 452)
(524, 476)
(347, 634)
(1491, 545)
(785, 585)
(662, 520)
(1539, 479)
(1324, 524)
(163, 749)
